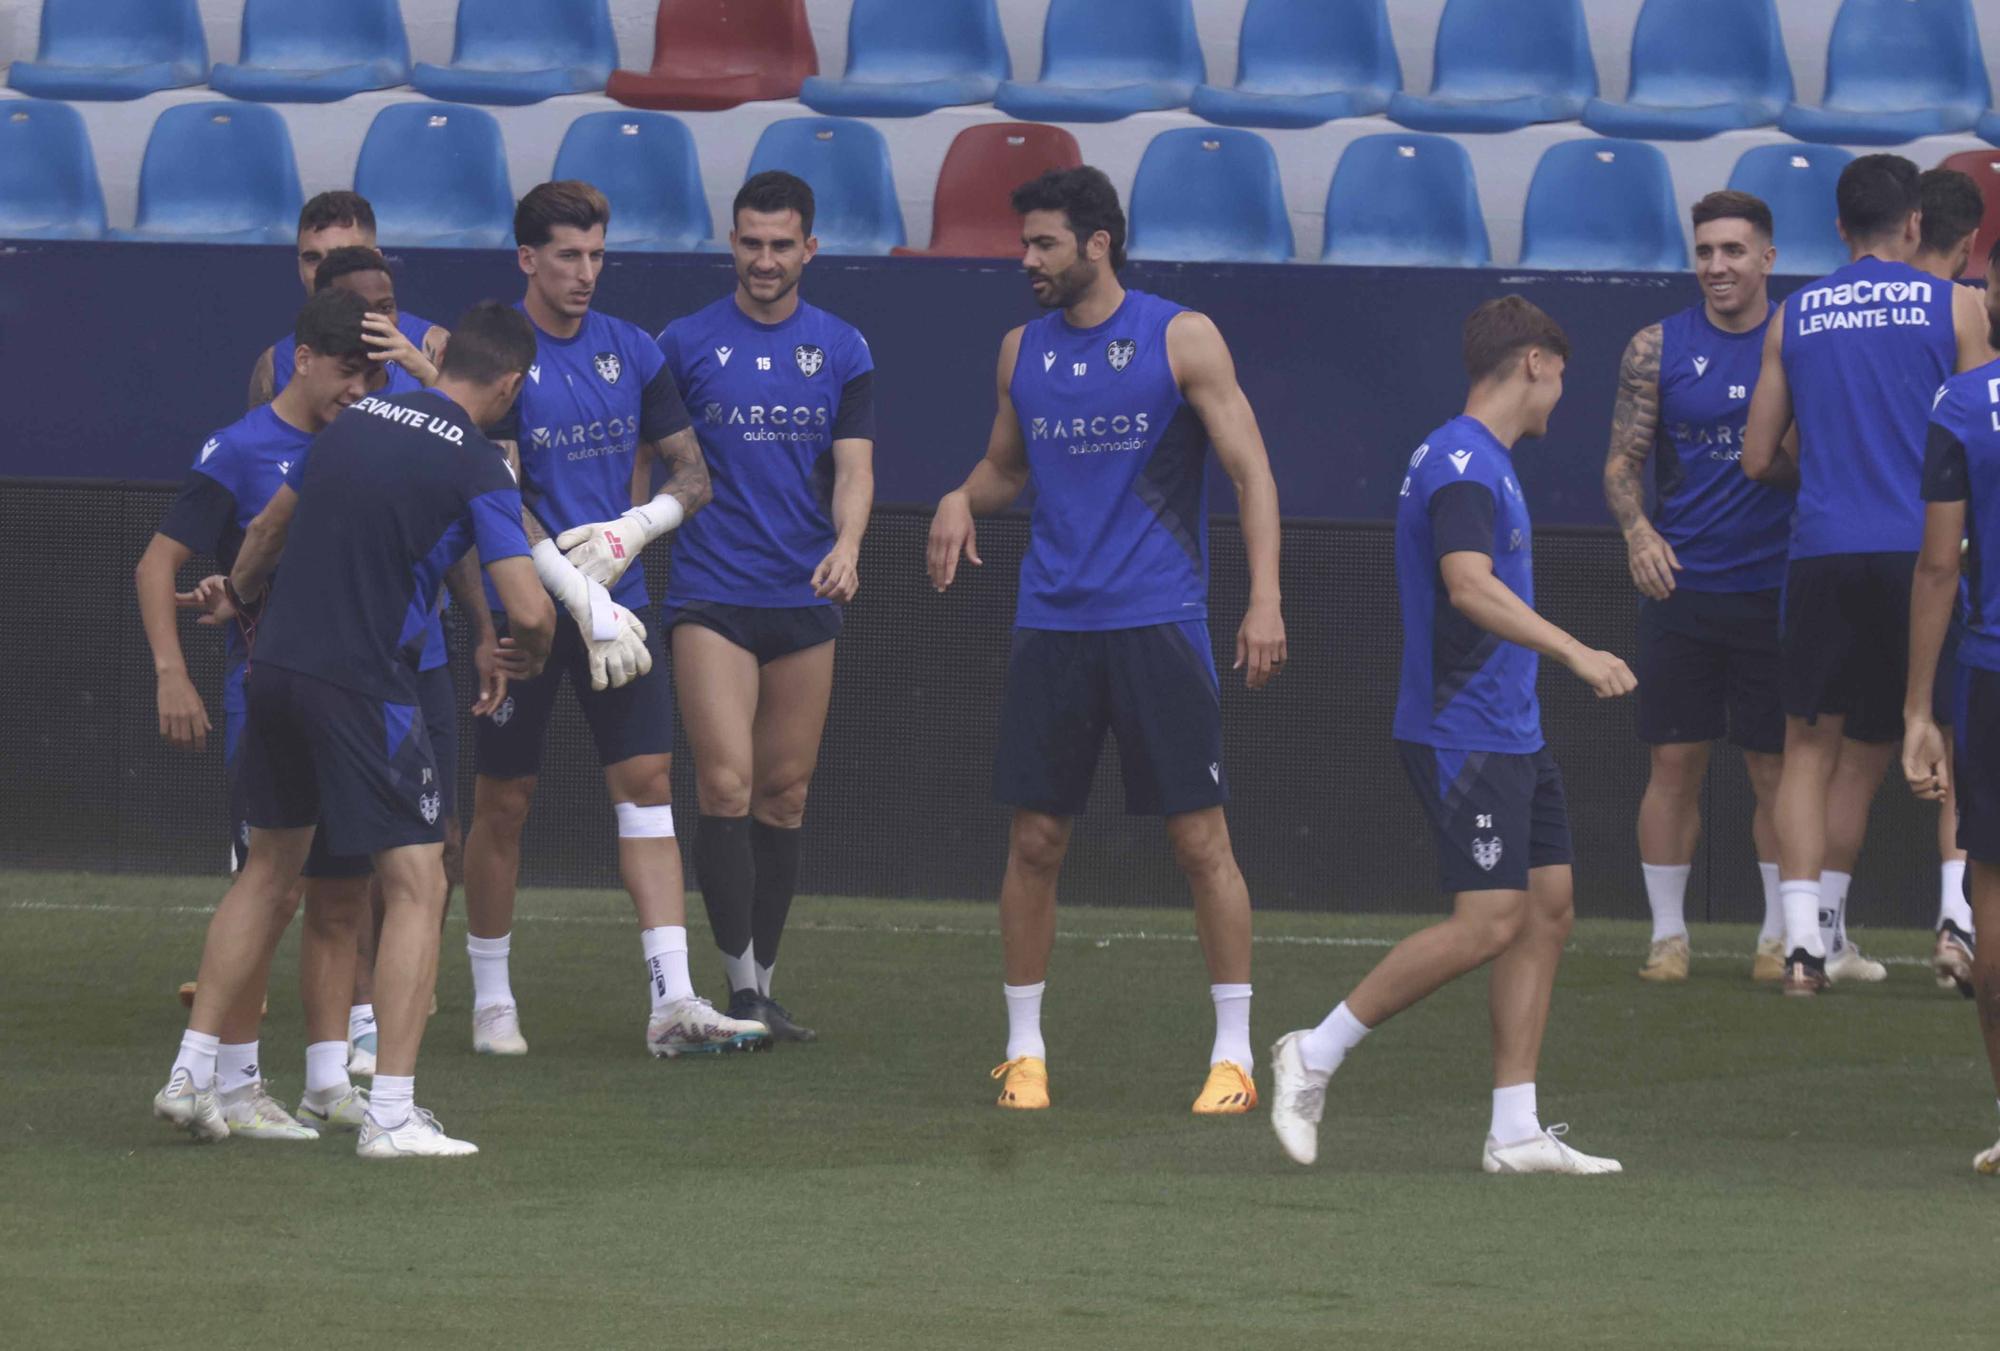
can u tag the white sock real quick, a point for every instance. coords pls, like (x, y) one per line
(1666, 893)
(1514, 1118)
(1800, 899)
(390, 1098)
(1024, 1020)
(490, 985)
(1327, 1045)
(326, 1068)
(666, 949)
(1833, 910)
(360, 1021)
(235, 1066)
(764, 978)
(1952, 904)
(1232, 1026)
(740, 970)
(197, 1057)
(1774, 911)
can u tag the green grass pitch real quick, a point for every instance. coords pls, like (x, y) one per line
(1797, 1172)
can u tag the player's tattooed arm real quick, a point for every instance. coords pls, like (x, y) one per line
(687, 472)
(1635, 425)
(262, 380)
(1764, 456)
(993, 485)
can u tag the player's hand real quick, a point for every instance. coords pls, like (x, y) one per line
(1605, 672)
(1260, 645)
(517, 662)
(209, 596)
(183, 717)
(1652, 562)
(620, 660)
(952, 536)
(386, 343)
(492, 676)
(1924, 761)
(837, 577)
(603, 551)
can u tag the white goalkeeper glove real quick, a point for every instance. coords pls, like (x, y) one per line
(603, 551)
(623, 659)
(587, 602)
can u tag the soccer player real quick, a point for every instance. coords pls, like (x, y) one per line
(1107, 406)
(1469, 728)
(599, 407)
(1708, 566)
(1961, 490)
(393, 493)
(1855, 358)
(759, 576)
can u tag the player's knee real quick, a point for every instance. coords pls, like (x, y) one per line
(501, 805)
(781, 799)
(723, 790)
(648, 788)
(1201, 845)
(1037, 842)
(1496, 926)
(1678, 770)
(334, 909)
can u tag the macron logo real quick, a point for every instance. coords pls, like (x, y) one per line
(214, 442)
(535, 373)
(1700, 367)
(1048, 360)
(1459, 459)
(722, 354)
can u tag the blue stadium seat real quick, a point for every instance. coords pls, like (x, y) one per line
(1405, 200)
(301, 53)
(1101, 62)
(905, 59)
(1700, 67)
(436, 174)
(1797, 183)
(48, 177)
(847, 164)
(645, 164)
(218, 173)
(1603, 206)
(1303, 62)
(1210, 195)
(1897, 70)
(1502, 64)
(114, 49)
(523, 51)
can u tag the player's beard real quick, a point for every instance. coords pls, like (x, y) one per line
(1067, 285)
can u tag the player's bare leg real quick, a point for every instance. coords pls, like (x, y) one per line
(1849, 798)
(492, 873)
(338, 919)
(1201, 848)
(1669, 827)
(718, 687)
(1524, 976)
(1812, 753)
(1952, 956)
(1765, 770)
(1036, 846)
(1986, 981)
(793, 694)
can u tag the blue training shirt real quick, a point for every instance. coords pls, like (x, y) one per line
(1118, 538)
(1962, 464)
(1462, 688)
(284, 356)
(395, 491)
(1728, 531)
(1865, 349)
(769, 401)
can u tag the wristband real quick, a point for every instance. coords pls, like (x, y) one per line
(658, 516)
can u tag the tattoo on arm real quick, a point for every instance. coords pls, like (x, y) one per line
(1635, 422)
(687, 472)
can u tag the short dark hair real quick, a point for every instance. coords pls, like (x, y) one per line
(1503, 327)
(772, 191)
(489, 342)
(1952, 208)
(1731, 205)
(330, 324)
(337, 208)
(1876, 194)
(345, 261)
(1086, 197)
(567, 201)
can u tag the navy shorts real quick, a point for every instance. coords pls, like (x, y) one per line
(1154, 688)
(1976, 738)
(633, 720)
(360, 768)
(1708, 668)
(765, 632)
(1847, 641)
(1495, 816)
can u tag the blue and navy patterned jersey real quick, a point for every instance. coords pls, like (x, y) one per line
(1962, 464)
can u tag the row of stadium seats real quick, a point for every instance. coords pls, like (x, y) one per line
(437, 174)
(1896, 69)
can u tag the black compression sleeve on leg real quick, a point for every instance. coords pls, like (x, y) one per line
(777, 853)
(723, 869)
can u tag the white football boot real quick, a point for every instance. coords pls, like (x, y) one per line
(419, 1137)
(254, 1114)
(692, 1026)
(194, 1111)
(334, 1110)
(1544, 1153)
(496, 1030)
(1298, 1099)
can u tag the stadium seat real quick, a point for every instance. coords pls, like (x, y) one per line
(973, 213)
(905, 59)
(1101, 62)
(847, 164)
(1984, 168)
(218, 173)
(1405, 200)
(48, 177)
(114, 49)
(294, 53)
(645, 163)
(1700, 67)
(1897, 70)
(1797, 183)
(1210, 195)
(711, 54)
(523, 51)
(436, 174)
(1303, 62)
(1603, 206)
(1503, 64)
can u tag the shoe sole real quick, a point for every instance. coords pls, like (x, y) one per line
(747, 1043)
(1021, 1106)
(1953, 972)
(490, 1049)
(1657, 977)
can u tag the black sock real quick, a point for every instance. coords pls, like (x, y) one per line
(724, 870)
(776, 850)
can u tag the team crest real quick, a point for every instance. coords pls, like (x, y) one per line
(504, 712)
(1119, 352)
(1486, 853)
(810, 359)
(608, 366)
(428, 804)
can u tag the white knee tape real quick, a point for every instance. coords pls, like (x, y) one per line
(645, 823)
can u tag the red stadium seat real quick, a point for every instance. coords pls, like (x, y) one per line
(710, 54)
(1984, 166)
(972, 217)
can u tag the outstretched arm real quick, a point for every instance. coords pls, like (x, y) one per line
(994, 484)
(1488, 602)
(1764, 457)
(1635, 425)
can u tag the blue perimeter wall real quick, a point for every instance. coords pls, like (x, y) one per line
(118, 360)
